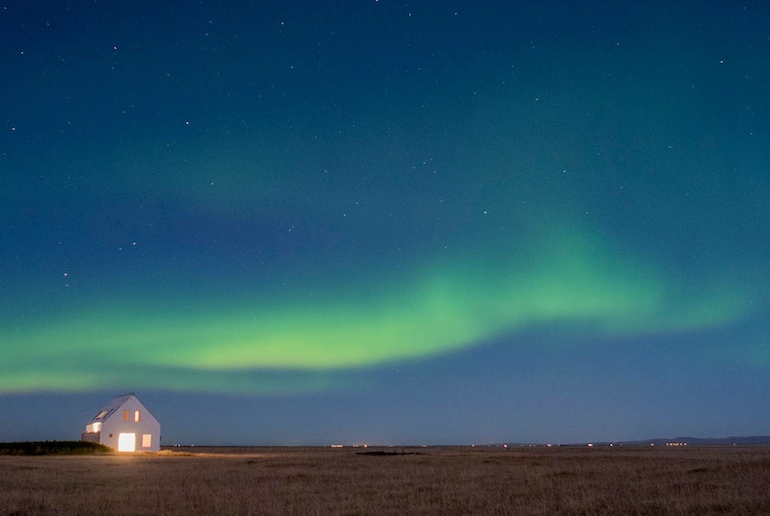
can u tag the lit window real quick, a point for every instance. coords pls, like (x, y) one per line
(146, 440)
(94, 428)
(125, 415)
(101, 414)
(126, 442)
(136, 416)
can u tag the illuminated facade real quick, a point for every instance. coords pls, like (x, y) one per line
(126, 425)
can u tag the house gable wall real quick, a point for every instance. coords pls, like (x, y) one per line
(114, 425)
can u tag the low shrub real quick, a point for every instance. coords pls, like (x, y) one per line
(53, 448)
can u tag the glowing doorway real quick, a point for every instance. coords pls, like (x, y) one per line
(127, 442)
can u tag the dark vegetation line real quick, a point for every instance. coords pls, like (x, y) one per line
(53, 448)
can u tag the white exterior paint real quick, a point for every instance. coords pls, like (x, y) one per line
(126, 425)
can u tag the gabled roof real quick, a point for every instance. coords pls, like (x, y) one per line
(112, 406)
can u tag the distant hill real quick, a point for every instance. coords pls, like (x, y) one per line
(753, 440)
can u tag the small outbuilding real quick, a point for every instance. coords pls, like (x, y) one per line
(126, 425)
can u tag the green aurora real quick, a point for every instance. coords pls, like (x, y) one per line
(572, 280)
(376, 221)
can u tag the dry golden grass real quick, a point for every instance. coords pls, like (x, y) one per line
(547, 481)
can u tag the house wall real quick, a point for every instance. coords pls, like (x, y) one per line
(114, 425)
(91, 437)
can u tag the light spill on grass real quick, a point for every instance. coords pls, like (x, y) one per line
(436, 481)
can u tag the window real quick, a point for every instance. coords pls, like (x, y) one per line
(126, 442)
(146, 440)
(125, 415)
(94, 428)
(101, 414)
(136, 416)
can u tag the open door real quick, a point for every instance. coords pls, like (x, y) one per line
(127, 442)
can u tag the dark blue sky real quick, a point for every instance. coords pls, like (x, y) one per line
(378, 221)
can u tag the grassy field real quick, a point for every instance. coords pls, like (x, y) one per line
(547, 481)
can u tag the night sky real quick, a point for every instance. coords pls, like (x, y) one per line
(360, 221)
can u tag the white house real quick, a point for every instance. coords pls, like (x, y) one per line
(126, 425)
